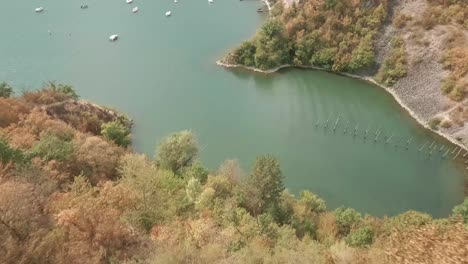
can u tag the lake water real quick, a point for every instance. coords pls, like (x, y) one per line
(162, 73)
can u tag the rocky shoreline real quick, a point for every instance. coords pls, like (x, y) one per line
(398, 97)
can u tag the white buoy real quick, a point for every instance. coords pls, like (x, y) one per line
(135, 9)
(128, 1)
(168, 13)
(210, 1)
(39, 9)
(113, 37)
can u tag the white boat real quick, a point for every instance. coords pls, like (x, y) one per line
(128, 1)
(135, 9)
(113, 37)
(39, 9)
(210, 1)
(168, 13)
(84, 6)
(176, 1)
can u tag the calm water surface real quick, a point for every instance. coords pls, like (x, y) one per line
(162, 73)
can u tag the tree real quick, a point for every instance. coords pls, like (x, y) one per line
(313, 202)
(9, 154)
(266, 181)
(53, 148)
(63, 89)
(116, 132)
(461, 210)
(177, 151)
(272, 46)
(5, 90)
(346, 218)
(361, 237)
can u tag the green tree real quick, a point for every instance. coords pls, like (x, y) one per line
(6, 90)
(346, 218)
(266, 181)
(245, 54)
(9, 154)
(461, 210)
(361, 237)
(116, 132)
(51, 147)
(197, 171)
(65, 89)
(313, 202)
(272, 46)
(177, 151)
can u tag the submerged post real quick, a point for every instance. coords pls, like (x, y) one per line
(454, 150)
(441, 148)
(421, 148)
(316, 123)
(326, 123)
(355, 129)
(336, 123)
(445, 154)
(346, 127)
(464, 155)
(388, 140)
(457, 154)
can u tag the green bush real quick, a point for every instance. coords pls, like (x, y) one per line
(313, 202)
(395, 65)
(410, 219)
(117, 133)
(361, 237)
(346, 218)
(434, 123)
(197, 171)
(6, 90)
(461, 210)
(9, 154)
(177, 151)
(51, 147)
(65, 89)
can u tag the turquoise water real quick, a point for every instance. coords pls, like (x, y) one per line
(162, 73)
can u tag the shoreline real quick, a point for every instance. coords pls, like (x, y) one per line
(395, 96)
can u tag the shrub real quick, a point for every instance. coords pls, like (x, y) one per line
(447, 85)
(63, 89)
(395, 65)
(410, 219)
(434, 123)
(313, 202)
(461, 210)
(5, 90)
(346, 218)
(177, 151)
(9, 154)
(117, 133)
(361, 237)
(197, 171)
(401, 20)
(446, 124)
(51, 147)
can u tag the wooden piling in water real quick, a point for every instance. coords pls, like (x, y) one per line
(464, 155)
(441, 147)
(445, 154)
(336, 123)
(388, 140)
(454, 150)
(457, 154)
(326, 123)
(421, 148)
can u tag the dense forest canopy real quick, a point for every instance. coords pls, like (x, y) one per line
(72, 191)
(334, 34)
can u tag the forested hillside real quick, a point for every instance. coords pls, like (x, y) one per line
(333, 34)
(72, 191)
